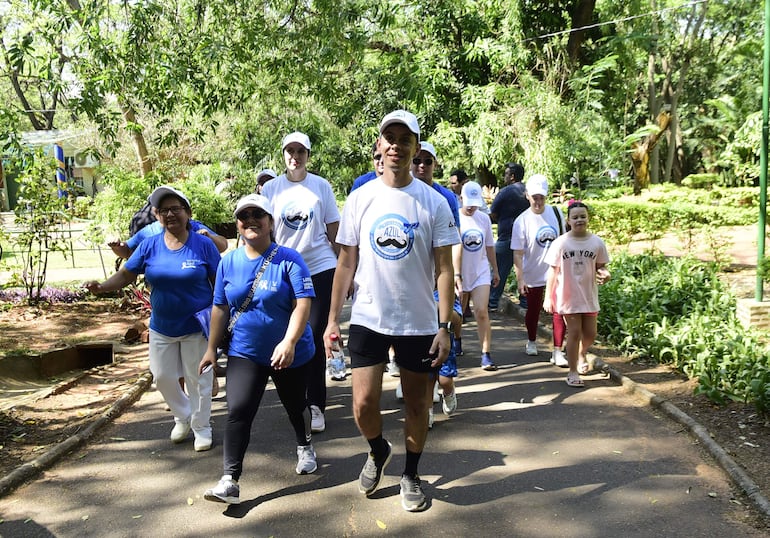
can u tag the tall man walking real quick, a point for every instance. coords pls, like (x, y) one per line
(396, 238)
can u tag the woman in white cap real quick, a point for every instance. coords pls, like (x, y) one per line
(267, 289)
(478, 245)
(533, 232)
(180, 265)
(264, 175)
(307, 219)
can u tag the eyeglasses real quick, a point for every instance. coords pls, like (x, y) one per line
(175, 209)
(377, 157)
(417, 161)
(253, 214)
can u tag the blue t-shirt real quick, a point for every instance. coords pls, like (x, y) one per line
(155, 228)
(451, 200)
(509, 203)
(264, 322)
(180, 281)
(362, 179)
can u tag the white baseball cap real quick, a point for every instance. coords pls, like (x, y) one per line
(296, 136)
(427, 146)
(404, 117)
(266, 172)
(537, 184)
(471, 195)
(165, 190)
(253, 200)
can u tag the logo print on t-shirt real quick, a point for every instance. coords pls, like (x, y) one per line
(297, 217)
(392, 236)
(473, 240)
(545, 236)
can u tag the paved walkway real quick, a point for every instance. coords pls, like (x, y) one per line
(525, 455)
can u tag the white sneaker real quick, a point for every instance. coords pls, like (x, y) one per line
(399, 393)
(531, 347)
(431, 417)
(559, 359)
(436, 395)
(203, 441)
(449, 404)
(180, 432)
(226, 491)
(393, 369)
(306, 463)
(317, 420)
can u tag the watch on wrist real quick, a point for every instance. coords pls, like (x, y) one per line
(445, 325)
(458, 275)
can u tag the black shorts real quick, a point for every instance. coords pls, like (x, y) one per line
(368, 348)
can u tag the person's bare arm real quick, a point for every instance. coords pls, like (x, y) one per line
(283, 354)
(446, 299)
(117, 281)
(347, 261)
(331, 233)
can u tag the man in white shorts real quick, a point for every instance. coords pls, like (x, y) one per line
(395, 237)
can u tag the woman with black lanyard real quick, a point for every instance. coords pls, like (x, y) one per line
(268, 290)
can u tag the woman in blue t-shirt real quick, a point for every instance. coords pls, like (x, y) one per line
(271, 338)
(180, 266)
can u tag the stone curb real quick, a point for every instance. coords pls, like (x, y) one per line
(30, 469)
(736, 473)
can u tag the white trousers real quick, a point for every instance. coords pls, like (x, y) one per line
(175, 357)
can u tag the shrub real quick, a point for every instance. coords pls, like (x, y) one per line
(677, 311)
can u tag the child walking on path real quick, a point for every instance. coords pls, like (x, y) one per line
(577, 259)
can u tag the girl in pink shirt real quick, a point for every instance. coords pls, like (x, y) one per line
(577, 260)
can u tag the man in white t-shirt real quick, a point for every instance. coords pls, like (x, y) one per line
(533, 232)
(395, 237)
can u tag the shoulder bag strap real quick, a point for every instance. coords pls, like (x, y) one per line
(558, 219)
(250, 296)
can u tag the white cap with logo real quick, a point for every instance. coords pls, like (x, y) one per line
(163, 191)
(471, 195)
(427, 146)
(537, 184)
(296, 136)
(404, 117)
(253, 200)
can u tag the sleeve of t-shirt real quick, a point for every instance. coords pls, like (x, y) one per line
(602, 256)
(332, 214)
(553, 255)
(445, 231)
(489, 237)
(518, 241)
(212, 257)
(136, 263)
(219, 283)
(136, 239)
(347, 234)
(299, 275)
(195, 226)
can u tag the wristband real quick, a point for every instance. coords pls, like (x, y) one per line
(458, 275)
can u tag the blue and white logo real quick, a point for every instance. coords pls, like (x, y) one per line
(392, 236)
(473, 240)
(297, 217)
(545, 236)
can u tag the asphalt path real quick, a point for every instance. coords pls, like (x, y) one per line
(525, 455)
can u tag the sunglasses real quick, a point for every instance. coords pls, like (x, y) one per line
(253, 214)
(417, 161)
(377, 157)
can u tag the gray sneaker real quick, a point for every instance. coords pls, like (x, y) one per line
(412, 497)
(371, 474)
(306, 463)
(226, 491)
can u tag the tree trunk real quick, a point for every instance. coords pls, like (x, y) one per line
(581, 16)
(140, 147)
(640, 155)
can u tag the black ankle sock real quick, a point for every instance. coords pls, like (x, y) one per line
(412, 460)
(379, 447)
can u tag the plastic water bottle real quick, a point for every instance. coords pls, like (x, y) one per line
(335, 366)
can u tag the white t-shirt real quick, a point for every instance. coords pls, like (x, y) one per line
(576, 257)
(301, 212)
(534, 234)
(475, 236)
(396, 230)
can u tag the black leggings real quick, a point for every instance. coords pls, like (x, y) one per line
(319, 317)
(246, 381)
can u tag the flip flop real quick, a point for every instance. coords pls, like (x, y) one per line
(573, 380)
(583, 368)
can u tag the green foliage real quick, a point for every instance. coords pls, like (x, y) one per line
(677, 311)
(123, 193)
(40, 216)
(208, 206)
(700, 181)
